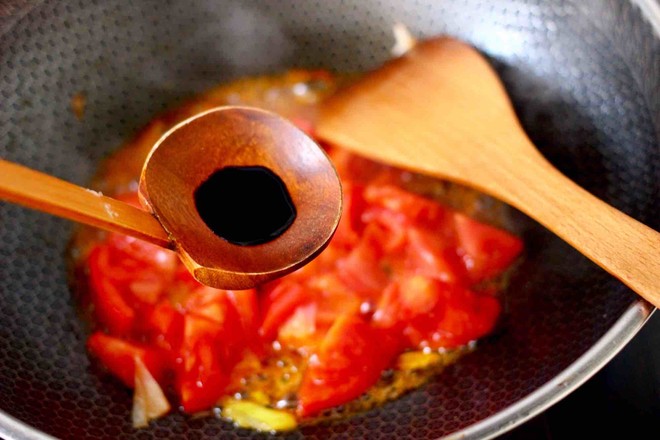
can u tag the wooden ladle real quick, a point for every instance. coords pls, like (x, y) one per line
(182, 160)
(441, 109)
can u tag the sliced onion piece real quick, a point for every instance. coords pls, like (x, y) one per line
(149, 401)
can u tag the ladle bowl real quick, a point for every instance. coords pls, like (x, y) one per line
(236, 136)
(177, 165)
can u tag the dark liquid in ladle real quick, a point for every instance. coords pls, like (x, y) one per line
(245, 205)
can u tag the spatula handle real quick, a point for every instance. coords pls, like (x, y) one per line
(621, 245)
(33, 189)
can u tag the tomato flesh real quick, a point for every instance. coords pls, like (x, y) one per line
(349, 360)
(487, 251)
(118, 356)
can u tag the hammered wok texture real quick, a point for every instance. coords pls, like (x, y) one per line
(585, 80)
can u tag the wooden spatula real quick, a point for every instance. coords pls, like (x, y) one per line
(441, 110)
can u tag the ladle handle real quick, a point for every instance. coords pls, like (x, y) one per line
(621, 245)
(33, 189)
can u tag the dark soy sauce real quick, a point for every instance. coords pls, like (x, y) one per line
(245, 205)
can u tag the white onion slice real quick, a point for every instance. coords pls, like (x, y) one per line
(149, 401)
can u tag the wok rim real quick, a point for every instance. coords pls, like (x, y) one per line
(567, 381)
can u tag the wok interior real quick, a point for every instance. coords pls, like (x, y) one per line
(584, 80)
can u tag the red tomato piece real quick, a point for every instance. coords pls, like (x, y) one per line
(110, 308)
(436, 314)
(161, 261)
(487, 251)
(278, 304)
(388, 228)
(201, 388)
(416, 208)
(246, 304)
(183, 276)
(362, 270)
(410, 304)
(300, 329)
(164, 326)
(118, 356)
(428, 253)
(333, 299)
(203, 373)
(349, 360)
(350, 225)
(467, 317)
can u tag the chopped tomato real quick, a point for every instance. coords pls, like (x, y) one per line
(432, 256)
(118, 356)
(387, 228)
(417, 209)
(278, 303)
(349, 360)
(183, 277)
(363, 270)
(110, 308)
(204, 369)
(487, 251)
(203, 384)
(300, 329)
(467, 317)
(333, 298)
(140, 254)
(164, 326)
(217, 308)
(213, 304)
(435, 314)
(350, 224)
(399, 273)
(246, 304)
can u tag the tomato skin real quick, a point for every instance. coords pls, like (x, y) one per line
(214, 341)
(201, 389)
(350, 224)
(432, 256)
(118, 356)
(435, 314)
(467, 317)
(246, 304)
(416, 209)
(349, 360)
(487, 251)
(110, 307)
(300, 330)
(163, 325)
(278, 304)
(203, 372)
(362, 270)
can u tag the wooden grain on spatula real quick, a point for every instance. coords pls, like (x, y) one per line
(441, 110)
